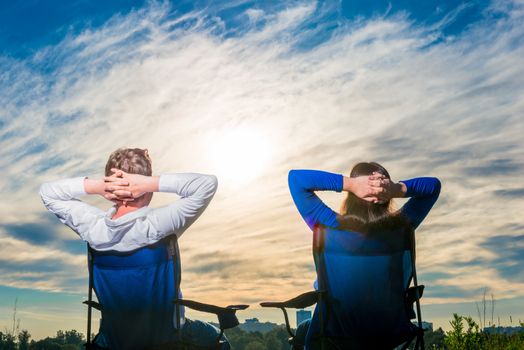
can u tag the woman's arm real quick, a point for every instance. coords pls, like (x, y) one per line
(304, 183)
(424, 192)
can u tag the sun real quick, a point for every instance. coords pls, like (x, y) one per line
(240, 155)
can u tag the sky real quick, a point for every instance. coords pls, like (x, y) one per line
(247, 90)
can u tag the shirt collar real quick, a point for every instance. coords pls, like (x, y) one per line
(124, 218)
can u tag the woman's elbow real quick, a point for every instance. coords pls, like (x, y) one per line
(292, 177)
(437, 186)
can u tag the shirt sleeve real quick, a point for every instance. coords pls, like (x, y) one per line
(424, 192)
(303, 184)
(61, 198)
(196, 191)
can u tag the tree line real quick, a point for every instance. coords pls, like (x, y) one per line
(465, 334)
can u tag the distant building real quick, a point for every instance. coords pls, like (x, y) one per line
(254, 325)
(428, 326)
(503, 330)
(303, 315)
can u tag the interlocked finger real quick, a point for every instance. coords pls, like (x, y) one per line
(375, 183)
(113, 188)
(378, 190)
(116, 181)
(122, 193)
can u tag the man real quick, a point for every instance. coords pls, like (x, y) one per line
(126, 228)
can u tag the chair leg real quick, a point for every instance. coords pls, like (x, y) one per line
(330, 344)
(417, 344)
(408, 343)
(295, 345)
(421, 345)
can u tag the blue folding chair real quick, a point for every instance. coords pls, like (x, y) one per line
(364, 299)
(138, 296)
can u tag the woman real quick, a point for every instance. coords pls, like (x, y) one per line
(371, 237)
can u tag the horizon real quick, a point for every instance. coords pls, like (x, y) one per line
(247, 91)
(489, 321)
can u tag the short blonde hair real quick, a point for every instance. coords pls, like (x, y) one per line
(130, 160)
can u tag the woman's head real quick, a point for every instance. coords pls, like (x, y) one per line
(365, 169)
(360, 214)
(130, 160)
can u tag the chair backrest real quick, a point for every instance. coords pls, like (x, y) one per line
(364, 279)
(136, 292)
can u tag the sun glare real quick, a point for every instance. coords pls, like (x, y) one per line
(241, 155)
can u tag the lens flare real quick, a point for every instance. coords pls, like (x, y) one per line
(241, 155)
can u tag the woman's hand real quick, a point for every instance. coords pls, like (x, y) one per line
(374, 188)
(384, 189)
(360, 187)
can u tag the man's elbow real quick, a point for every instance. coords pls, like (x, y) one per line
(44, 192)
(211, 184)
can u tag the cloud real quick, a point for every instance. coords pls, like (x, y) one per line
(451, 292)
(509, 255)
(511, 193)
(40, 233)
(28, 262)
(383, 88)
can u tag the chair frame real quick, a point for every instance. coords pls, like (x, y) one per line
(226, 315)
(413, 294)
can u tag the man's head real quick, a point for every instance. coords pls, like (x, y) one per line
(132, 161)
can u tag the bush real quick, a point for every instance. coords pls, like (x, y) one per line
(459, 338)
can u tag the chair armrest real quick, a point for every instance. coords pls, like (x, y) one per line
(411, 293)
(300, 302)
(411, 298)
(93, 304)
(226, 315)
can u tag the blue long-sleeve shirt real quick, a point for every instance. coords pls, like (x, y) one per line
(423, 193)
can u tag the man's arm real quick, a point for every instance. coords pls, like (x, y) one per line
(61, 198)
(196, 191)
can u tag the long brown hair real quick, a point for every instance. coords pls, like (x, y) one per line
(366, 217)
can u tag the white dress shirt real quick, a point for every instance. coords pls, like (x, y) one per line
(139, 228)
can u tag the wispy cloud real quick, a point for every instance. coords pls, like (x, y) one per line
(381, 88)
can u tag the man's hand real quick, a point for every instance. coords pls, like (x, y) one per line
(117, 189)
(125, 187)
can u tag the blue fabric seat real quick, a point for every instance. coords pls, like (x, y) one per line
(139, 297)
(136, 291)
(365, 279)
(361, 291)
